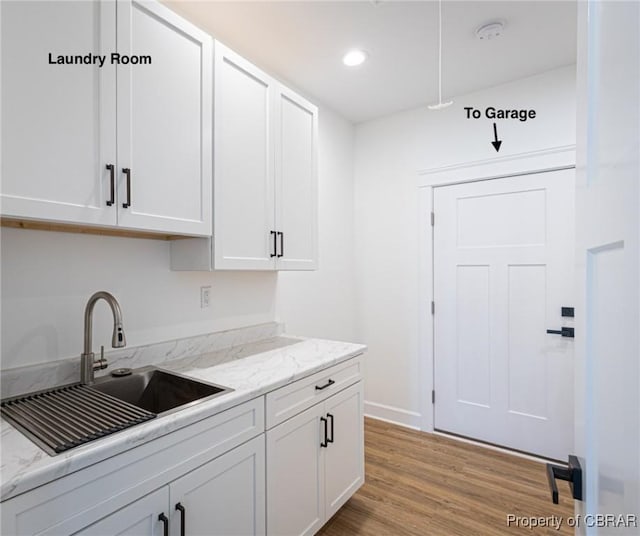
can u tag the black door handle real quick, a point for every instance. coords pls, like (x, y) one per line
(127, 173)
(165, 521)
(112, 172)
(330, 417)
(324, 442)
(572, 474)
(181, 509)
(281, 254)
(275, 243)
(565, 332)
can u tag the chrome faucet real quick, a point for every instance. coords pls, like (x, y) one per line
(88, 362)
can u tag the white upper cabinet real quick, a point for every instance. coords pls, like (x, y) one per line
(265, 175)
(164, 122)
(58, 121)
(244, 172)
(124, 143)
(296, 143)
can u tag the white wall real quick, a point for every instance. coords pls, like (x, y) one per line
(322, 303)
(47, 278)
(388, 154)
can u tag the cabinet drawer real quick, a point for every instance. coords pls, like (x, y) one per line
(81, 498)
(291, 399)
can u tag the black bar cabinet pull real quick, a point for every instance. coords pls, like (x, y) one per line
(275, 243)
(572, 474)
(324, 442)
(165, 521)
(565, 332)
(112, 173)
(281, 254)
(180, 509)
(330, 417)
(127, 173)
(328, 384)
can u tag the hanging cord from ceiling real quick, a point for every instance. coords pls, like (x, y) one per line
(440, 104)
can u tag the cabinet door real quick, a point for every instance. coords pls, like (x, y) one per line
(243, 185)
(164, 121)
(296, 146)
(295, 498)
(58, 120)
(344, 457)
(224, 497)
(140, 518)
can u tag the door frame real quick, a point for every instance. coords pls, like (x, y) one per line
(527, 163)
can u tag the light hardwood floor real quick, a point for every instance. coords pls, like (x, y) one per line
(427, 485)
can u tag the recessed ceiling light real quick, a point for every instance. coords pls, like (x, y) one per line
(354, 57)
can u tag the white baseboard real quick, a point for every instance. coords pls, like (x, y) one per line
(401, 417)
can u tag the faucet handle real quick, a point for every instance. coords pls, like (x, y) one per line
(101, 363)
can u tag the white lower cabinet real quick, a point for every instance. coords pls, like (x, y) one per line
(224, 497)
(315, 462)
(344, 456)
(140, 518)
(295, 502)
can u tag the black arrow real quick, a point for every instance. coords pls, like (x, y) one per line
(496, 144)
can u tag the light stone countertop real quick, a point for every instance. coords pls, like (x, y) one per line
(251, 369)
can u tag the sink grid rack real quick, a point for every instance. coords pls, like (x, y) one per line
(65, 417)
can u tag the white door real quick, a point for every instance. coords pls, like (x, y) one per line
(607, 208)
(244, 227)
(164, 121)
(224, 497)
(344, 455)
(58, 121)
(296, 150)
(295, 475)
(503, 270)
(140, 518)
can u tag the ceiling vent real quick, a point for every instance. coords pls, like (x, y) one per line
(490, 30)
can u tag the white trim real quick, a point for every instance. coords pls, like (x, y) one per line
(521, 164)
(393, 415)
(425, 295)
(507, 166)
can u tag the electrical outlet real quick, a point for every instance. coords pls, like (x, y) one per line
(205, 294)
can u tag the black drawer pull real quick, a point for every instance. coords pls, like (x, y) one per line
(281, 254)
(181, 509)
(324, 443)
(165, 522)
(127, 173)
(112, 172)
(329, 416)
(275, 244)
(328, 384)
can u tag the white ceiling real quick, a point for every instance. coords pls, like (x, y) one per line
(302, 42)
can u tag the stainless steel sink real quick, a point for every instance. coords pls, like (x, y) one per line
(157, 390)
